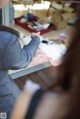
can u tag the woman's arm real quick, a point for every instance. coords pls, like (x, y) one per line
(15, 57)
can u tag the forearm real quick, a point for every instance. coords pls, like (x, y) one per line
(29, 51)
(32, 46)
(22, 104)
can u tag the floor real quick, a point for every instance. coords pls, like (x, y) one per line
(44, 77)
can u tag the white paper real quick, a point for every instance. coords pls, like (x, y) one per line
(54, 51)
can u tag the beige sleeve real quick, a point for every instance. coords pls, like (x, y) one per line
(21, 105)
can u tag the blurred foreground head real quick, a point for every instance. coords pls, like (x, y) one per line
(69, 71)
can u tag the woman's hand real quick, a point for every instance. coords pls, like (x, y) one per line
(37, 34)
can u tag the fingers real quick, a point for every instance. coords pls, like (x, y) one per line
(35, 34)
(39, 33)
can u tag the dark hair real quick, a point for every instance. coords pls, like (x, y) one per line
(70, 67)
(8, 29)
(68, 75)
(71, 62)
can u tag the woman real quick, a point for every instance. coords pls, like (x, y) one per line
(62, 99)
(12, 57)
